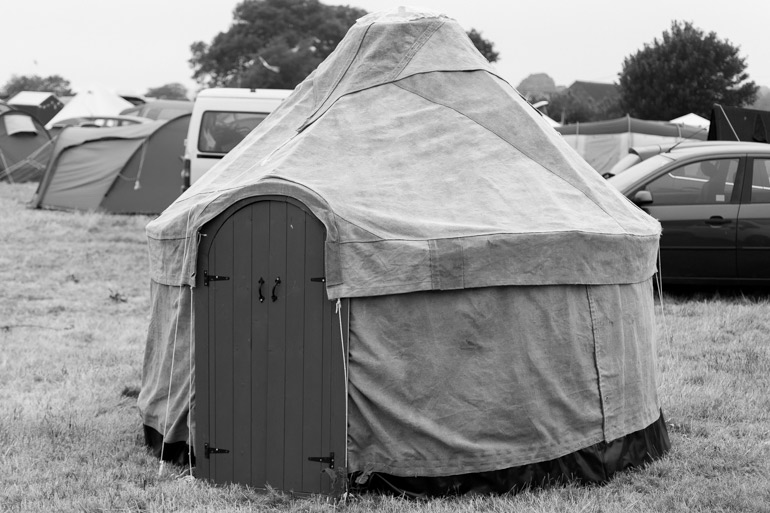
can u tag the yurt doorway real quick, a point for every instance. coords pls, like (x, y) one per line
(270, 405)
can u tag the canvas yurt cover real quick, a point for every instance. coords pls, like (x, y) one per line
(501, 326)
(603, 143)
(25, 147)
(133, 169)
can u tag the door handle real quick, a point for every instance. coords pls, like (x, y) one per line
(261, 297)
(277, 281)
(716, 221)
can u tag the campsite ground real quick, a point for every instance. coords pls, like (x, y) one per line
(74, 308)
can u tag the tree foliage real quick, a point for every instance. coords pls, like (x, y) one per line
(278, 43)
(51, 84)
(272, 43)
(686, 71)
(486, 47)
(172, 91)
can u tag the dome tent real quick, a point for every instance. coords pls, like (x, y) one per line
(133, 169)
(495, 293)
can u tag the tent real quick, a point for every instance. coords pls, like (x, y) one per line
(387, 281)
(42, 105)
(160, 109)
(128, 169)
(603, 143)
(25, 147)
(92, 102)
(691, 119)
(739, 124)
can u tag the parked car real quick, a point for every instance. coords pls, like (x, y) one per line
(713, 201)
(638, 154)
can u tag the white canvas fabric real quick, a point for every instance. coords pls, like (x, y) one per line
(501, 309)
(428, 171)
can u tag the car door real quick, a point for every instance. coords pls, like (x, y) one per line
(754, 222)
(697, 204)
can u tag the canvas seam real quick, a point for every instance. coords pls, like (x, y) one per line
(592, 313)
(422, 39)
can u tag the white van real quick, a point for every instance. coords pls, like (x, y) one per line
(221, 118)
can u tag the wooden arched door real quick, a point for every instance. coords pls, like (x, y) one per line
(270, 380)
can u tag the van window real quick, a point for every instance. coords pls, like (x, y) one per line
(222, 131)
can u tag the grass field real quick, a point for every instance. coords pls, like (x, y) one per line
(74, 306)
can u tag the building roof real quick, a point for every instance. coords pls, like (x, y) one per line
(596, 92)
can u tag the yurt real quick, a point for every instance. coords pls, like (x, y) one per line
(403, 280)
(132, 169)
(25, 147)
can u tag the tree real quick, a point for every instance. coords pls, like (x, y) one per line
(172, 91)
(52, 84)
(686, 71)
(272, 43)
(487, 48)
(278, 43)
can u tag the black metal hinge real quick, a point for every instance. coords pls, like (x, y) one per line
(212, 277)
(321, 279)
(213, 450)
(321, 459)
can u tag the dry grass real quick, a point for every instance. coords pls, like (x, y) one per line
(73, 312)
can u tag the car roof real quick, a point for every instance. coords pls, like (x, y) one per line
(716, 147)
(699, 150)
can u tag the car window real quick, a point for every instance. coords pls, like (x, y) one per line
(222, 131)
(760, 181)
(697, 183)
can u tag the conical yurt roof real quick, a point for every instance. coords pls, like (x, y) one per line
(429, 172)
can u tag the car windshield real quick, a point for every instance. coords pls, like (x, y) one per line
(632, 175)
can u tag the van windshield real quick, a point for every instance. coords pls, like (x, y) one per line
(222, 131)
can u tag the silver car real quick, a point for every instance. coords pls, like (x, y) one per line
(713, 201)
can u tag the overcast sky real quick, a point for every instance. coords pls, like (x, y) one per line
(132, 45)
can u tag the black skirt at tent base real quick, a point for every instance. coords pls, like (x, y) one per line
(177, 453)
(596, 464)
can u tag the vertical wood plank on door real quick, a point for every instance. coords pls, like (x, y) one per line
(276, 349)
(241, 308)
(222, 291)
(293, 296)
(260, 250)
(315, 297)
